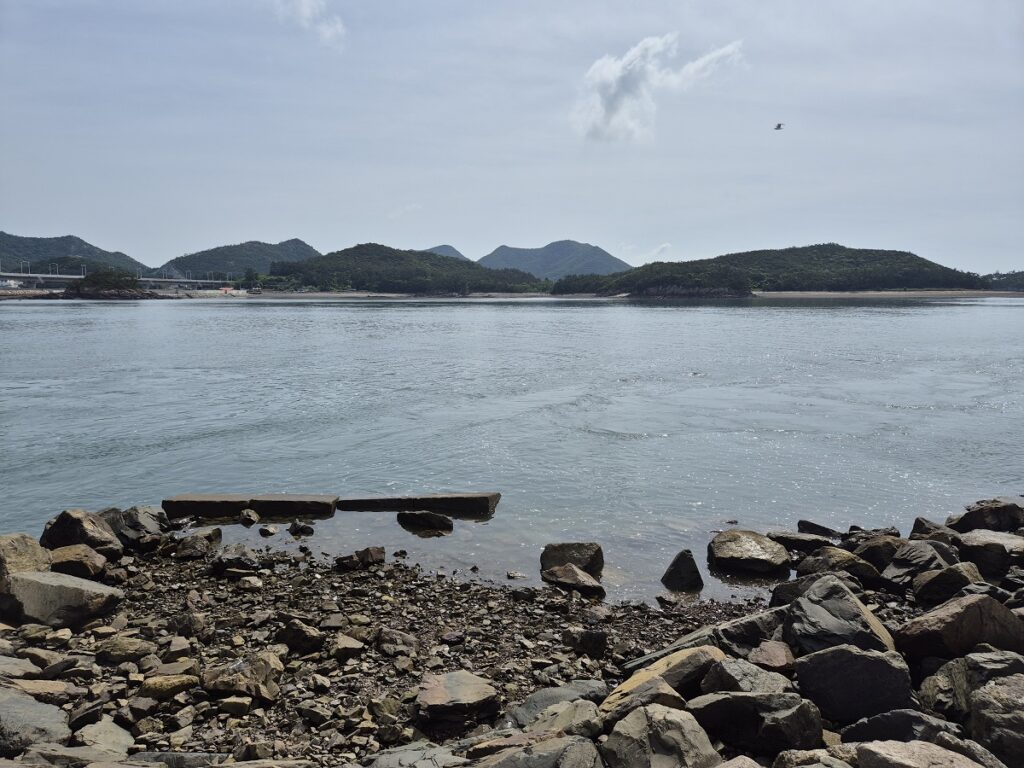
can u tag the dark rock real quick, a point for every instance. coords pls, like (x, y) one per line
(59, 600)
(571, 578)
(235, 557)
(682, 574)
(392, 642)
(1003, 514)
(898, 725)
(139, 529)
(926, 529)
(361, 560)
(828, 615)
(773, 655)
(762, 723)
(25, 721)
(587, 556)
(746, 552)
(121, 648)
(457, 505)
(300, 528)
(807, 526)
(984, 588)
(552, 752)
(741, 636)
(847, 683)
(456, 698)
(198, 544)
(588, 642)
(654, 736)
(934, 587)
(948, 691)
(426, 523)
(879, 550)
(78, 560)
(992, 551)
(536, 702)
(828, 559)
(955, 627)
(248, 517)
(573, 718)
(703, 636)
(344, 648)
(740, 675)
(277, 506)
(970, 749)
(77, 526)
(300, 637)
(224, 506)
(997, 718)
(20, 552)
(800, 542)
(786, 592)
(916, 557)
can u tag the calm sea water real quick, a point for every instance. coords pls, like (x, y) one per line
(643, 427)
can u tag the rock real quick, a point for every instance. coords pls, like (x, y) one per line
(76, 526)
(682, 670)
(539, 700)
(572, 578)
(49, 753)
(236, 705)
(746, 552)
(926, 529)
(773, 655)
(456, 698)
(426, 523)
(947, 692)
(828, 615)
(899, 725)
(553, 752)
(916, 557)
(847, 683)
(25, 721)
(740, 636)
(992, 551)
(969, 749)
(934, 587)
(248, 517)
(106, 736)
(12, 668)
(121, 648)
(139, 529)
(742, 761)
(740, 675)
(805, 543)
(997, 718)
(586, 642)
(256, 676)
(419, 754)
(198, 544)
(682, 574)
(235, 557)
(477, 506)
(344, 647)
(314, 714)
(266, 531)
(807, 526)
(162, 687)
(630, 696)
(829, 559)
(955, 627)
(20, 552)
(60, 600)
(1003, 514)
(224, 506)
(300, 637)
(361, 560)
(807, 758)
(392, 642)
(785, 592)
(587, 556)
(762, 723)
(910, 754)
(300, 528)
(78, 560)
(654, 736)
(879, 550)
(277, 506)
(573, 718)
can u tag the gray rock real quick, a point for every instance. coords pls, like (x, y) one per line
(682, 574)
(970, 749)
(361, 560)
(773, 655)
(300, 637)
(78, 560)
(456, 698)
(926, 529)
(344, 647)
(538, 701)
(786, 592)
(800, 542)
(899, 725)
(13, 669)
(587, 556)
(879, 550)
(106, 736)
(847, 683)
(426, 523)
(20, 552)
(703, 636)
(955, 627)
(120, 648)
(235, 557)
(573, 718)
(198, 544)
(572, 578)
(256, 676)
(419, 754)
(654, 736)
(916, 557)
(829, 559)
(741, 636)
(47, 754)
(948, 691)
(633, 694)
(746, 552)
(908, 754)
(992, 551)
(762, 723)
(139, 529)
(77, 526)
(808, 526)
(25, 721)
(934, 587)
(828, 615)
(997, 718)
(59, 600)
(1002, 514)
(555, 752)
(740, 675)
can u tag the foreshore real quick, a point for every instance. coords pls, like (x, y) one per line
(134, 637)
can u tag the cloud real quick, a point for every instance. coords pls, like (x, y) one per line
(658, 252)
(404, 210)
(618, 93)
(315, 16)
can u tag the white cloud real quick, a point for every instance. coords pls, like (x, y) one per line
(404, 210)
(618, 97)
(659, 252)
(314, 15)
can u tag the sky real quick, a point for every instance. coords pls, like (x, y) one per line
(165, 127)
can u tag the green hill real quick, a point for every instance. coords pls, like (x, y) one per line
(825, 267)
(373, 267)
(446, 250)
(236, 259)
(555, 260)
(70, 253)
(1007, 281)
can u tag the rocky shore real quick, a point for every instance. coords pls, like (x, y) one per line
(134, 638)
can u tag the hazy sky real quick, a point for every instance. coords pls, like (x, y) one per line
(162, 127)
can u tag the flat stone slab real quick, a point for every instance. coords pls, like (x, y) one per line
(288, 505)
(466, 505)
(60, 600)
(216, 506)
(205, 505)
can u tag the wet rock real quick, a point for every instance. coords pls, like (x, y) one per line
(992, 551)
(761, 723)
(587, 556)
(475, 506)
(25, 721)
(955, 627)
(279, 506)
(828, 615)
(20, 552)
(829, 559)
(139, 529)
(741, 675)
(300, 528)
(256, 676)
(916, 557)
(805, 543)
(746, 552)
(934, 587)
(682, 574)
(997, 718)
(248, 517)
(223, 506)
(121, 648)
(808, 526)
(60, 600)
(847, 683)
(78, 560)
(947, 692)
(266, 531)
(573, 718)
(426, 523)
(879, 550)
(909, 754)
(536, 702)
(572, 578)
(655, 736)
(77, 526)
(898, 725)
(1002, 514)
(198, 544)
(457, 697)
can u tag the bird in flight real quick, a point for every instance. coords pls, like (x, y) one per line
(778, 126)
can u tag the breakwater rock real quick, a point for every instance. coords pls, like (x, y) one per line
(167, 648)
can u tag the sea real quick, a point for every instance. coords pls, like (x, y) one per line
(644, 426)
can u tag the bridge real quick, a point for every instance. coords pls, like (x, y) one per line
(31, 280)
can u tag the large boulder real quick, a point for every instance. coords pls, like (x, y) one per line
(828, 615)
(456, 698)
(1003, 514)
(633, 694)
(78, 560)
(828, 559)
(916, 557)
(957, 626)
(682, 574)
(800, 542)
(762, 723)
(740, 675)
(947, 692)
(538, 701)
(255, 676)
(20, 552)
(587, 556)
(909, 754)
(879, 550)
(899, 725)
(934, 587)
(997, 718)
(25, 721)
(139, 529)
(992, 551)
(77, 526)
(574, 718)
(682, 670)
(741, 636)
(60, 600)
(746, 552)
(574, 579)
(553, 752)
(655, 736)
(847, 683)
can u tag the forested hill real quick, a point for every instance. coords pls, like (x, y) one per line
(236, 259)
(373, 267)
(825, 267)
(447, 250)
(1007, 281)
(70, 253)
(555, 260)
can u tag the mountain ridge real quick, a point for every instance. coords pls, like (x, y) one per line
(237, 258)
(556, 260)
(67, 251)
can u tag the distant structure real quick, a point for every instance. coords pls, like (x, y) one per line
(778, 126)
